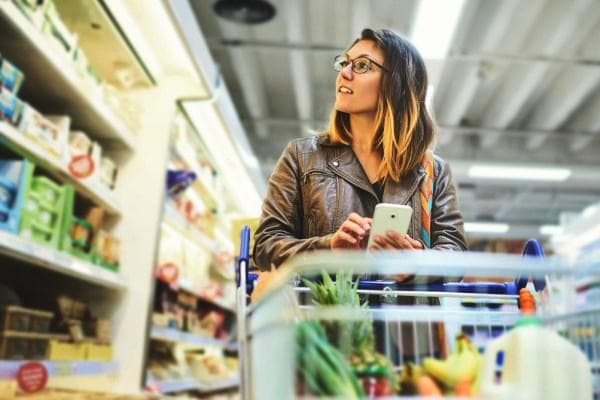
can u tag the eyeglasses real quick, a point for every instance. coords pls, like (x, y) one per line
(360, 65)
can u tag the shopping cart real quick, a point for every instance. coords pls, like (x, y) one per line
(267, 329)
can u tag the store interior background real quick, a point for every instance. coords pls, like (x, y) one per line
(514, 84)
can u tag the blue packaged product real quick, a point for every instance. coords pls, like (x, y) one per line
(10, 76)
(10, 106)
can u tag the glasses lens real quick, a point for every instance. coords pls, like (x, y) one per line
(339, 63)
(361, 65)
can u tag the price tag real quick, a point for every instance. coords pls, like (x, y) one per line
(32, 377)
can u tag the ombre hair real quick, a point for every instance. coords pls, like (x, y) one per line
(404, 128)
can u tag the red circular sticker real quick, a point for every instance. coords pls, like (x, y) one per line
(81, 166)
(168, 272)
(32, 377)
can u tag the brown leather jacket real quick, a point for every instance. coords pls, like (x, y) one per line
(317, 184)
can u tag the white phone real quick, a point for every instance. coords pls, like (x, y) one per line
(389, 217)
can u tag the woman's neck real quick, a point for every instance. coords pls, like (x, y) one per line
(363, 132)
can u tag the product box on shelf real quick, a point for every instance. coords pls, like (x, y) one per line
(11, 77)
(21, 319)
(15, 176)
(84, 156)
(43, 214)
(11, 107)
(33, 10)
(108, 172)
(106, 250)
(41, 130)
(23, 346)
(54, 28)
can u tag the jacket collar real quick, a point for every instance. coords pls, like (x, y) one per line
(344, 163)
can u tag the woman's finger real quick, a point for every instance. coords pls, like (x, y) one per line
(364, 223)
(383, 243)
(400, 241)
(345, 237)
(353, 228)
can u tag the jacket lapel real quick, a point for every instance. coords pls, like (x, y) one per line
(345, 164)
(401, 192)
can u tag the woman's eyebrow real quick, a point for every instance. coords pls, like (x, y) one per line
(363, 55)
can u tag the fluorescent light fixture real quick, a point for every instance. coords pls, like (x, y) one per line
(551, 230)
(161, 49)
(434, 26)
(486, 227)
(519, 173)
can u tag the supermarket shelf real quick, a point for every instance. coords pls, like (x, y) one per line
(184, 384)
(176, 221)
(8, 369)
(53, 79)
(174, 335)
(186, 286)
(230, 383)
(205, 189)
(176, 385)
(37, 254)
(96, 192)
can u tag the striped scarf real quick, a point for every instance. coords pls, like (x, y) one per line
(426, 198)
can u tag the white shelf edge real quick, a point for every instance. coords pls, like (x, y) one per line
(37, 254)
(174, 335)
(93, 102)
(183, 285)
(178, 223)
(101, 195)
(189, 383)
(229, 383)
(8, 368)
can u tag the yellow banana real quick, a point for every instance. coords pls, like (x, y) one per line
(409, 374)
(462, 364)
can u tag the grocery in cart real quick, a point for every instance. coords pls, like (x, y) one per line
(337, 325)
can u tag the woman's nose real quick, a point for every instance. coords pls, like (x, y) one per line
(347, 72)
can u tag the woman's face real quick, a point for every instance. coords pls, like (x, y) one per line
(359, 93)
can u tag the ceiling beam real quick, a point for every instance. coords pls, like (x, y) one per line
(300, 75)
(461, 92)
(247, 71)
(522, 83)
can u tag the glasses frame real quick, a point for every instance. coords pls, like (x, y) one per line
(349, 61)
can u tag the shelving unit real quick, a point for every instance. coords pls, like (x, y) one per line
(94, 191)
(42, 256)
(55, 81)
(186, 384)
(174, 335)
(8, 369)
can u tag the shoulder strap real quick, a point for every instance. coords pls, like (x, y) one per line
(426, 197)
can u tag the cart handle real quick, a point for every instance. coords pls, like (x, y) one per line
(243, 258)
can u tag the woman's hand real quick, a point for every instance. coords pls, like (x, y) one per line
(353, 233)
(395, 241)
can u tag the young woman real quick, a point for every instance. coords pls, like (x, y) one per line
(323, 191)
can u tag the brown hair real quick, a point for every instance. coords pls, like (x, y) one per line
(404, 127)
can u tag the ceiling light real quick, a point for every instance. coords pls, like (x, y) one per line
(519, 173)
(434, 26)
(551, 230)
(486, 227)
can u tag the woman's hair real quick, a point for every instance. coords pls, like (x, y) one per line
(404, 127)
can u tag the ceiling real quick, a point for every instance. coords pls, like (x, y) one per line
(519, 85)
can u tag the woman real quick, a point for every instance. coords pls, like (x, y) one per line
(323, 191)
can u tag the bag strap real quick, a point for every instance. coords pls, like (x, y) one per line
(426, 197)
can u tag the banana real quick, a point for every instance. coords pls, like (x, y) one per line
(409, 375)
(462, 364)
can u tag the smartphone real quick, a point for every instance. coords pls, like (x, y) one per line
(389, 217)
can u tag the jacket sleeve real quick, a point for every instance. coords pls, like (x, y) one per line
(279, 233)
(447, 226)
